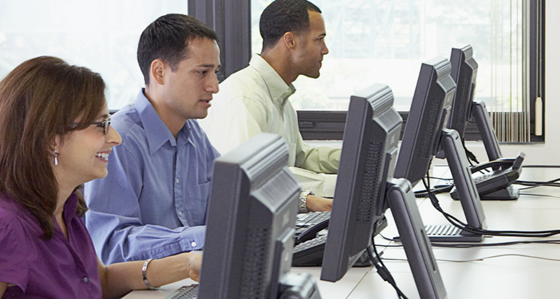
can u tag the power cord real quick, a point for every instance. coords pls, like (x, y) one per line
(470, 156)
(470, 244)
(474, 230)
(382, 270)
(484, 258)
(535, 184)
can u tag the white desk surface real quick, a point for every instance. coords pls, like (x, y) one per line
(515, 271)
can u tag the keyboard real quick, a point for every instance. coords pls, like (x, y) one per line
(442, 230)
(450, 233)
(306, 220)
(184, 292)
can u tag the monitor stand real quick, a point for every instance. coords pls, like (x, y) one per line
(417, 247)
(470, 200)
(486, 130)
(488, 135)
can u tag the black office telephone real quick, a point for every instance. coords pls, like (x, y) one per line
(311, 232)
(496, 183)
(310, 245)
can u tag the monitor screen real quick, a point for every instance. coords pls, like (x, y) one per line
(425, 135)
(495, 185)
(369, 149)
(463, 71)
(251, 216)
(429, 111)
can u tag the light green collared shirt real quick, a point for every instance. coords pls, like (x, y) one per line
(255, 100)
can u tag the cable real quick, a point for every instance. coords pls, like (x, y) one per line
(483, 258)
(537, 195)
(535, 184)
(474, 230)
(541, 166)
(472, 245)
(437, 189)
(470, 156)
(382, 270)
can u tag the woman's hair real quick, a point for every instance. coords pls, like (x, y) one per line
(39, 100)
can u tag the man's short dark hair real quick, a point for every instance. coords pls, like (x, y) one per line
(283, 16)
(167, 38)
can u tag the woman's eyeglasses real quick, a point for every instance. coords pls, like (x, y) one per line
(101, 124)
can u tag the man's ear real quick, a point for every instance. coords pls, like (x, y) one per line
(157, 71)
(289, 40)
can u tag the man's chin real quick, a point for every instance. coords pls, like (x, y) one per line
(201, 116)
(313, 75)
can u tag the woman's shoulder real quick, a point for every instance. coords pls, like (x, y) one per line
(9, 210)
(15, 221)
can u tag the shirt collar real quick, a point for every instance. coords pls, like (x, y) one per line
(157, 132)
(70, 206)
(278, 89)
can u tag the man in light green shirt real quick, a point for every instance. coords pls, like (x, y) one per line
(255, 99)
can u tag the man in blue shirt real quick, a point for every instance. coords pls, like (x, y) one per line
(153, 201)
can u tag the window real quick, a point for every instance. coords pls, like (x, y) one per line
(369, 41)
(380, 36)
(99, 34)
(385, 41)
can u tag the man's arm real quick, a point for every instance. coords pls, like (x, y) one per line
(115, 218)
(316, 168)
(321, 159)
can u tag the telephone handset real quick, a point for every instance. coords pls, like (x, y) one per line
(500, 164)
(311, 232)
(497, 184)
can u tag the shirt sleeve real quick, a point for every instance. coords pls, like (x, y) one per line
(316, 167)
(321, 159)
(12, 253)
(114, 218)
(321, 184)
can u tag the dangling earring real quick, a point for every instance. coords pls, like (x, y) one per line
(55, 153)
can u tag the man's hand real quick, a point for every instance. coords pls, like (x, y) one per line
(318, 204)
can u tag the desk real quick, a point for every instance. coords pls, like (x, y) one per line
(518, 271)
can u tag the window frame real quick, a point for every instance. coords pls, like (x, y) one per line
(234, 34)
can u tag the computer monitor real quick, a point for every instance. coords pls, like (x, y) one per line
(463, 71)
(498, 183)
(425, 134)
(367, 161)
(428, 115)
(250, 230)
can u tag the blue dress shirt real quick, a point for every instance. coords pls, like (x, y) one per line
(153, 202)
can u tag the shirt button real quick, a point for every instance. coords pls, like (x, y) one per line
(177, 181)
(180, 213)
(86, 279)
(193, 244)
